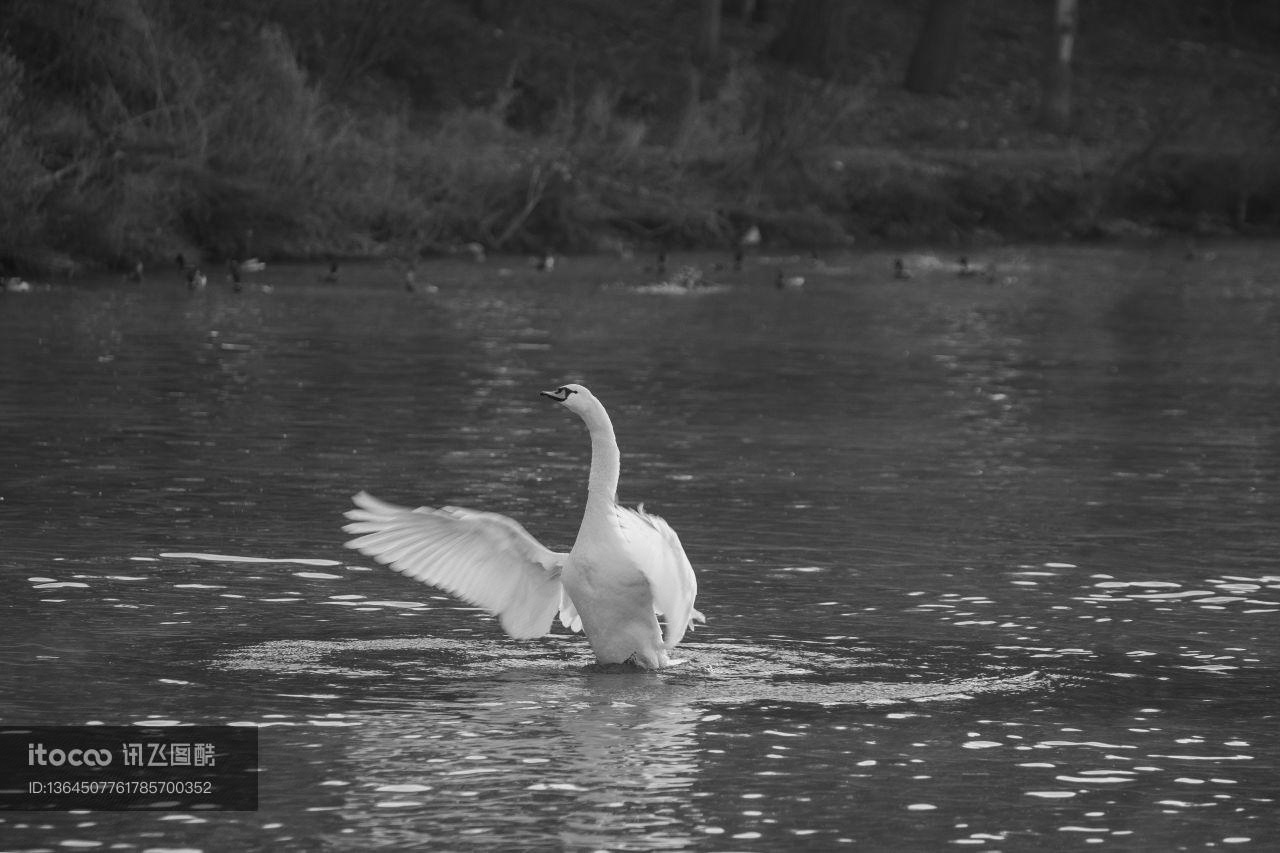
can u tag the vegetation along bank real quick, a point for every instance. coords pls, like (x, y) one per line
(134, 130)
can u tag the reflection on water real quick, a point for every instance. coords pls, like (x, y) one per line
(986, 562)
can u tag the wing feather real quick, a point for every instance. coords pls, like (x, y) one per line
(483, 558)
(661, 557)
(568, 613)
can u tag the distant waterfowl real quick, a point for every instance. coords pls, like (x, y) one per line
(14, 284)
(625, 568)
(738, 253)
(900, 270)
(966, 271)
(476, 251)
(412, 285)
(546, 262)
(135, 274)
(330, 277)
(788, 282)
(191, 273)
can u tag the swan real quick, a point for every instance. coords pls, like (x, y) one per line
(626, 566)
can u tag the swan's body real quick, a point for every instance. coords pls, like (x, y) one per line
(625, 567)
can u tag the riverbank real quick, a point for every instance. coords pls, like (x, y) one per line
(219, 133)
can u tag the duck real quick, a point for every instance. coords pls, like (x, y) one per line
(788, 282)
(196, 280)
(411, 284)
(15, 284)
(135, 274)
(626, 566)
(330, 277)
(966, 271)
(546, 262)
(900, 270)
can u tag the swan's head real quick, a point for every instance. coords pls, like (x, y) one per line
(571, 395)
(575, 398)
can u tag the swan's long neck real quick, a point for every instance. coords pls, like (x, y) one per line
(602, 485)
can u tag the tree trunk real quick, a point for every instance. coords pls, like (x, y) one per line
(935, 62)
(702, 56)
(1055, 103)
(813, 38)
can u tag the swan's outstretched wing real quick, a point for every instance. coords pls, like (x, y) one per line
(484, 558)
(659, 554)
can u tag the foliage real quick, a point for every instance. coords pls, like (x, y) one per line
(135, 129)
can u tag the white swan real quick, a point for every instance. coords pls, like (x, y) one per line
(626, 566)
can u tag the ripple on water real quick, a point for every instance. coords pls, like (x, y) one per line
(232, 558)
(711, 673)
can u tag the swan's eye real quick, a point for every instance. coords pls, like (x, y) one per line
(565, 391)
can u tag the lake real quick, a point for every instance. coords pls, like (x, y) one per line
(988, 562)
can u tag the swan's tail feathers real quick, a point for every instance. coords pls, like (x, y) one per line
(483, 558)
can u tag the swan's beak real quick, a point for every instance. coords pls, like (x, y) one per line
(560, 394)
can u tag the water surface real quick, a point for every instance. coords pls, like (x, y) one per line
(987, 562)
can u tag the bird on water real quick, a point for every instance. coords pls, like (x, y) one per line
(625, 568)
